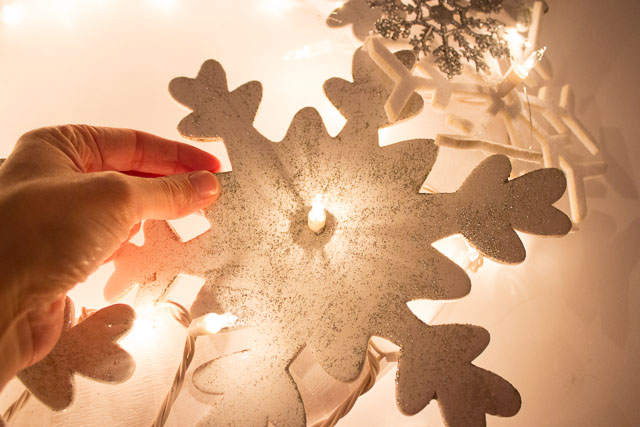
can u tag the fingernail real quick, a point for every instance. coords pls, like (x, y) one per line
(205, 183)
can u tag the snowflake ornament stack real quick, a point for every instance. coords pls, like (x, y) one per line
(539, 129)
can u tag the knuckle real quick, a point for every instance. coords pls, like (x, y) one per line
(69, 132)
(57, 136)
(39, 134)
(115, 188)
(178, 194)
(116, 182)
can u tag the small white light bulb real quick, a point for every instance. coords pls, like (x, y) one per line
(519, 72)
(514, 39)
(211, 323)
(522, 70)
(317, 216)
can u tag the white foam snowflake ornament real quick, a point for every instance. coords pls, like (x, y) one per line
(333, 291)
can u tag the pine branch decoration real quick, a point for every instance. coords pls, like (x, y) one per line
(461, 27)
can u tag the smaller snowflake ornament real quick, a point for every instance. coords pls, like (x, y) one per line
(460, 27)
(88, 348)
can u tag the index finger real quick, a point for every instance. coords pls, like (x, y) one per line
(132, 150)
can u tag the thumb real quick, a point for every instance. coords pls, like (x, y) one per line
(173, 196)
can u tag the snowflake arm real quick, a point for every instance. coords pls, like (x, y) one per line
(490, 208)
(88, 348)
(373, 87)
(435, 362)
(217, 112)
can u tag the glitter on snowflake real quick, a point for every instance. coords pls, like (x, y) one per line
(462, 29)
(88, 348)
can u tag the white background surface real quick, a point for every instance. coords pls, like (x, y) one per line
(564, 325)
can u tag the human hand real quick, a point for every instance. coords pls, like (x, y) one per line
(65, 210)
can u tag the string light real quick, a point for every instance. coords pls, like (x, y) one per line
(523, 69)
(211, 323)
(519, 72)
(516, 41)
(317, 216)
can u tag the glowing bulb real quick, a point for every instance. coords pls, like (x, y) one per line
(522, 70)
(146, 330)
(281, 6)
(513, 38)
(12, 14)
(211, 323)
(317, 216)
(519, 72)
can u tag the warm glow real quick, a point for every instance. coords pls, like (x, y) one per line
(147, 328)
(278, 6)
(322, 47)
(513, 38)
(317, 215)
(521, 27)
(523, 69)
(12, 14)
(164, 5)
(519, 72)
(211, 323)
(458, 250)
(516, 41)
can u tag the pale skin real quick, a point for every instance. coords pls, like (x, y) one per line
(66, 208)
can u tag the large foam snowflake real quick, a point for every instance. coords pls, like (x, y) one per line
(462, 30)
(331, 292)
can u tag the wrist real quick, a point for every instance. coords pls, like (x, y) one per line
(10, 318)
(13, 311)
